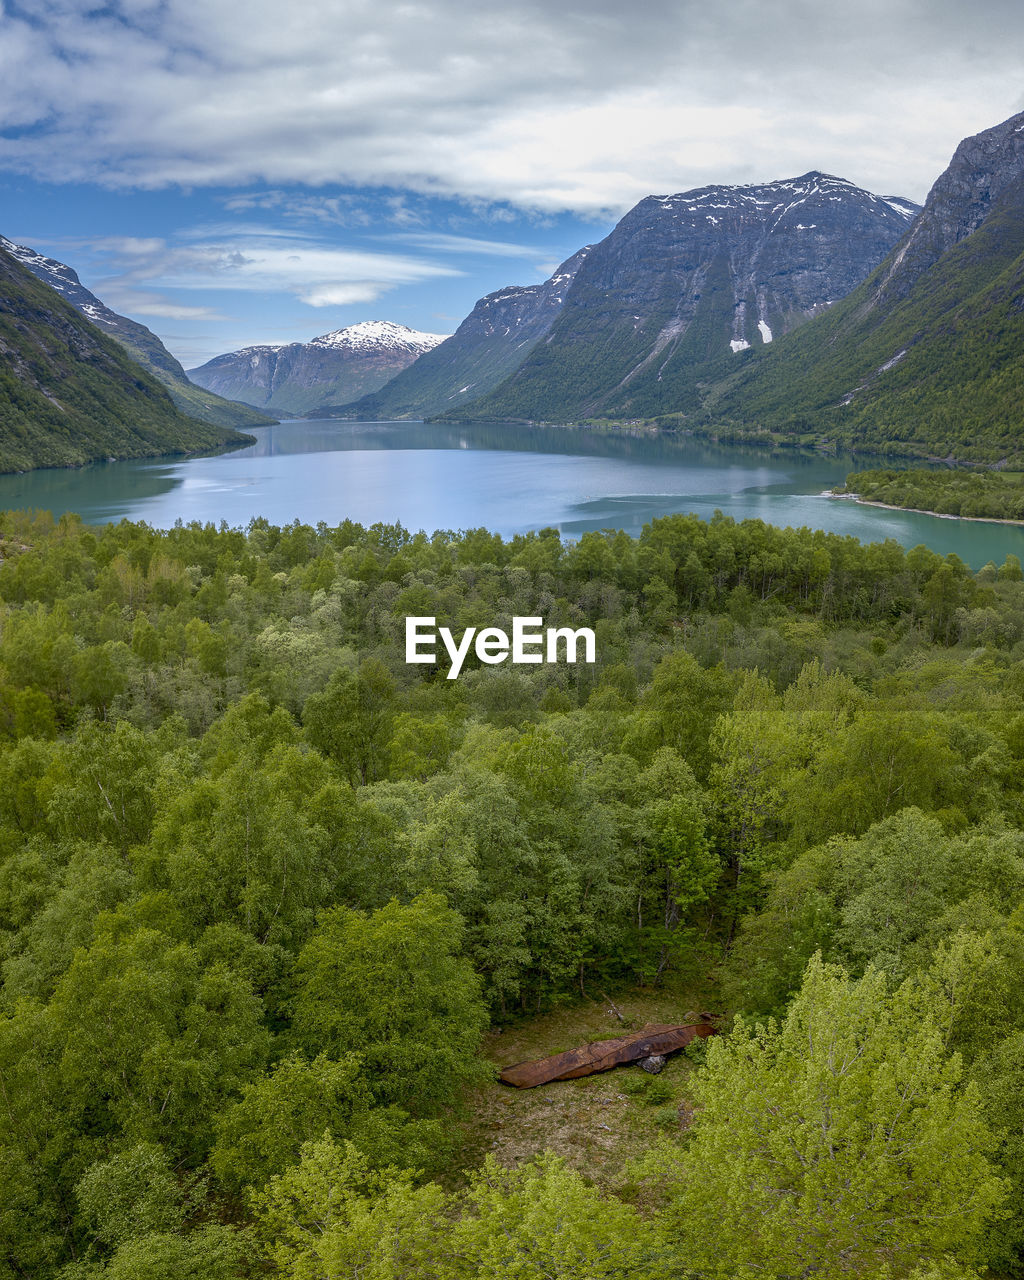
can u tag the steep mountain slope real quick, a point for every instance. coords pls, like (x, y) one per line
(490, 343)
(686, 284)
(927, 355)
(302, 377)
(69, 394)
(142, 344)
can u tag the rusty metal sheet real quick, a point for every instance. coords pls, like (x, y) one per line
(602, 1055)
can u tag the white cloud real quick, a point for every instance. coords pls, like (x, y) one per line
(142, 303)
(582, 107)
(343, 295)
(129, 247)
(441, 242)
(400, 212)
(341, 210)
(245, 260)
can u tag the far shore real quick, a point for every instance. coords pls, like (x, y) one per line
(918, 511)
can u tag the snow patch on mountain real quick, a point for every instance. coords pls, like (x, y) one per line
(902, 207)
(98, 313)
(256, 350)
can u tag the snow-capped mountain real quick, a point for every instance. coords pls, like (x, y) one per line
(378, 335)
(58, 275)
(686, 283)
(302, 377)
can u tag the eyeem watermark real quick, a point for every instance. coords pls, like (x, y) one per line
(492, 645)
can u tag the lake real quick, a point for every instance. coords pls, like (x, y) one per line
(507, 478)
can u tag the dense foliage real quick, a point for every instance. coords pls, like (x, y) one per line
(196, 402)
(993, 495)
(263, 886)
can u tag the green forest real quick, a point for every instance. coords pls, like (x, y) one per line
(956, 491)
(273, 903)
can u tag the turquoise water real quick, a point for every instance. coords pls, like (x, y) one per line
(507, 478)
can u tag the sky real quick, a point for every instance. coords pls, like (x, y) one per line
(231, 174)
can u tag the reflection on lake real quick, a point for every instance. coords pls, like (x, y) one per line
(507, 478)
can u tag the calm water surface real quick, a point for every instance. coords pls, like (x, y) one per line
(509, 479)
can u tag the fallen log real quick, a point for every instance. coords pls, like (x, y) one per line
(602, 1055)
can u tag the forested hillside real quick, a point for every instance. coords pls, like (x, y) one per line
(71, 395)
(264, 887)
(141, 343)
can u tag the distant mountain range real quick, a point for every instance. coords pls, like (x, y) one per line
(141, 342)
(306, 378)
(807, 310)
(804, 310)
(668, 301)
(685, 285)
(69, 394)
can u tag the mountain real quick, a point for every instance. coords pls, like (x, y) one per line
(302, 377)
(686, 285)
(69, 394)
(490, 343)
(927, 355)
(142, 343)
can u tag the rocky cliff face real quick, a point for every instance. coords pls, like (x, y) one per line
(789, 249)
(686, 283)
(490, 343)
(143, 345)
(986, 172)
(303, 377)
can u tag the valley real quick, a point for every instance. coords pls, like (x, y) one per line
(293, 862)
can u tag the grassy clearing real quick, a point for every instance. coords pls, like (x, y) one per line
(597, 1123)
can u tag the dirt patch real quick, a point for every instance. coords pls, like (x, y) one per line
(598, 1123)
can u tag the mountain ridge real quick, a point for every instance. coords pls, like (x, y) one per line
(141, 343)
(924, 356)
(69, 394)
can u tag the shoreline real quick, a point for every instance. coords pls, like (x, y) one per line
(919, 511)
